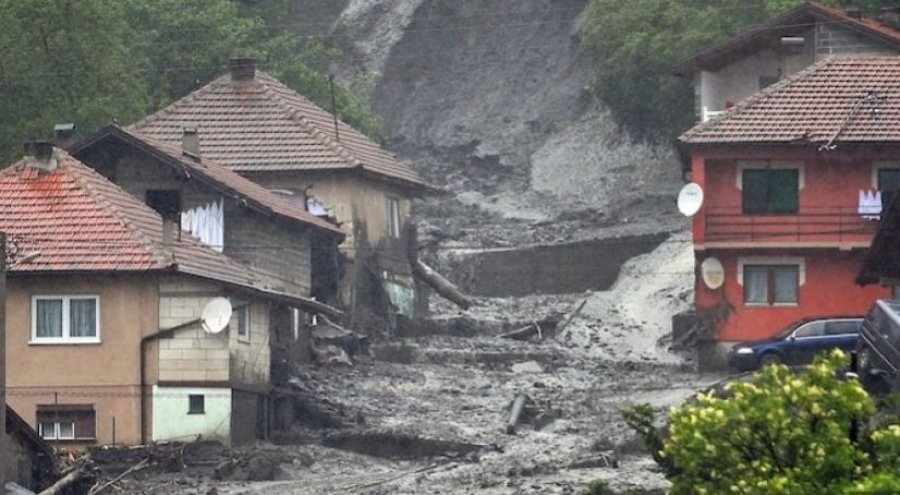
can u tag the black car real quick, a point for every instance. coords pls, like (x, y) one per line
(798, 343)
(878, 350)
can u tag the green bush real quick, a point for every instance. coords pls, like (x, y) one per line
(800, 433)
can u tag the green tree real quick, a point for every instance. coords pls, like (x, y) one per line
(64, 61)
(634, 44)
(92, 61)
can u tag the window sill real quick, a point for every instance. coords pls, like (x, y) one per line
(767, 305)
(243, 340)
(70, 440)
(64, 342)
(196, 413)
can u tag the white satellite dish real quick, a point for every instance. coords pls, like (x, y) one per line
(690, 199)
(712, 272)
(216, 315)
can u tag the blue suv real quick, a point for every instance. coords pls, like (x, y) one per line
(798, 343)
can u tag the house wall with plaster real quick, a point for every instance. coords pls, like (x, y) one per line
(826, 238)
(104, 375)
(741, 78)
(173, 419)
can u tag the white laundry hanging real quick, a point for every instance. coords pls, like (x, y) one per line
(206, 223)
(869, 204)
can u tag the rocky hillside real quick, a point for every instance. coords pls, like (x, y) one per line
(488, 99)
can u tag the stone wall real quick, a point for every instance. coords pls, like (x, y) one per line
(551, 269)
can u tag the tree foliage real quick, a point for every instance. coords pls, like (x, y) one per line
(92, 61)
(783, 433)
(634, 44)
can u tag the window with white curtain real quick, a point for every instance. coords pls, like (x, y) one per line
(771, 284)
(65, 319)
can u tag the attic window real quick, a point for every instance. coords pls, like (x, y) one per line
(167, 202)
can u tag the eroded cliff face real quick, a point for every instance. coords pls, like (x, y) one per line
(489, 99)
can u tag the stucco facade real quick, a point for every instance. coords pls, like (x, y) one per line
(780, 53)
(825, 239)
(105, 377)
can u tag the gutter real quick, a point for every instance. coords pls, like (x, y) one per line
(144, 341)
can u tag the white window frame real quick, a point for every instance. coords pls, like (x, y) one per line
(65, 339)
(56, 430)
(799, 261)
(393, 206)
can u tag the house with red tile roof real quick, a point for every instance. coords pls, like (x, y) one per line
(255, 125)
(105, 340)
(794, 179)
(726, 73)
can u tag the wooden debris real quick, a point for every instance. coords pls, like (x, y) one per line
(515, 412)
(314, 411)
(539, 328)
(599, 461)
(137, 467)
(63, 483)
(574, 314)
(426, 274)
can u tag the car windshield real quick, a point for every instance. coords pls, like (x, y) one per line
(787, 331)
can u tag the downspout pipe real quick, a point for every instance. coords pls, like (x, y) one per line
(144, 341)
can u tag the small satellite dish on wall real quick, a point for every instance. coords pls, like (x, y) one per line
(690, 199)
(216, 315)
(712, 272)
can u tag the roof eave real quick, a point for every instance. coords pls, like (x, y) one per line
(114, 131)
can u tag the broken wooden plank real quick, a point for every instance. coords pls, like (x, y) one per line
(523, 333)
(137, 467)
(574, 314)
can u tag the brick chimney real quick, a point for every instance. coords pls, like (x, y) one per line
(190, 141)
(39, 154)
(242, 69)
(853, 12)
(64, 134)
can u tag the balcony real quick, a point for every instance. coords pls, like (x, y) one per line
(816, 226)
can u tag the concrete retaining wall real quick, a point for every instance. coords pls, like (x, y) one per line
(552, 269)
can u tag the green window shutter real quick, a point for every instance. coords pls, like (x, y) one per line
(755, 194)
(784, 186)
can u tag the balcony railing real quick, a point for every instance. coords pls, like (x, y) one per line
(839, 225)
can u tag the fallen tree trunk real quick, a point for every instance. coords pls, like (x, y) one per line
(426, 274)
(64, 482)
(516, 411)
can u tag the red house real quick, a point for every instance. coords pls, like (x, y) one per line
(793, 179)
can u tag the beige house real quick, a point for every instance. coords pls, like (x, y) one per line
(727, 73)
(105, 338)
(253, 124)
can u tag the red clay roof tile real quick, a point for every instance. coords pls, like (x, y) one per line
(844, 99)
(264, 126)
(76, 220)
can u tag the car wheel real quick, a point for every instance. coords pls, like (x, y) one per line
(769, 358)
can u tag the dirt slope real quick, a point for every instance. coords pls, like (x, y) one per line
(488, 99)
